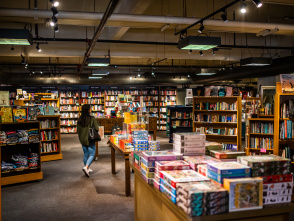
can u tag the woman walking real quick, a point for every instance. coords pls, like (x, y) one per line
(86, 121)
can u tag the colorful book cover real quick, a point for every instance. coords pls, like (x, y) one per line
(179, 176)
(172, 165)
(226, 154)
(41, 110)
(196, 160)
(20, 115)
(287, 83)
(229, 168)
(4, 98)
(168, 194)
(207, 91)
(6, 115)
(220, 178)
(32, 113)
(162, 156)
(229, 91)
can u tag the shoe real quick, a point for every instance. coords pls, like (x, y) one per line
(90, 170)
(86, 171)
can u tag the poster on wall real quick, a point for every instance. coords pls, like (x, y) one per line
(287, 83)
(101, 132)
(4, 98)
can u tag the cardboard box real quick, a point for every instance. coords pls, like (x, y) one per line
(194, 161)
(168, 194)
(277, 178)
(146, 162)
(156, 184)
(220, 179)
(147, 174)
(278, 186)
(202, 169)
(147, 169)
(226, 154)
(167, 186)
(172, 165)
(277, 199)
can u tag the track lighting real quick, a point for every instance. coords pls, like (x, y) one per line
(201, 28)
(53, 22)
(23, 60)
(60, 75)
(190, 52)
(12, 48)
(152, 73)
(224, 17)
(258, 3)
(188, 76)
(131, 78)
(56, 28)
(41, 72)
(139, 75)
(243, 7)
(54, 3)
(201, 53)
(180, 77)
(33, 72)
(38, 48)
(55, 11)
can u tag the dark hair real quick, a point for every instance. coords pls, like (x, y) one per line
(85, 118)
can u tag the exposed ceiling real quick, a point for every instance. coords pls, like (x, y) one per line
(135, 40)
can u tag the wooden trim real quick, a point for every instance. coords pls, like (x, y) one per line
(45, 158)
(21, 178)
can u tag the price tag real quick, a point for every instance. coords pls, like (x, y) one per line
(263, 150)
(174, 126)
(77, 104)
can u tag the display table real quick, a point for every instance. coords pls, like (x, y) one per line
(151, 204)
(125, 154)
(108, 123)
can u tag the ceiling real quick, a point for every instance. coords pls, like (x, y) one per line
(135, 41)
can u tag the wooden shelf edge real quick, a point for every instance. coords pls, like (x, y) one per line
(21, 178)
(51, 157)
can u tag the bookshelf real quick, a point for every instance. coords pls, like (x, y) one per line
(50, 137)
(219, 118)
(167, 97)
(27, 172)
(95, 99)
(69, 111)
(283, 123)
(136, 95)
(151, 102)
(260, 138)
(110, 99)
(48, 99)
(180, 119)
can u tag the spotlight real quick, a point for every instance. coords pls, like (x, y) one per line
(224, 17)
(131, 78)
(12, 48)
(258, 3)
(139, 75)
(201, 28)
(38, 48)
(56, 28)
(55, 11)
(33, 72)
(135, 76)
(152, 73)
(27, 65)
(54, 3)
(190, 52)
(188, 76)
(243, 7)
(53, 22)
(201, 53)
(41, 72)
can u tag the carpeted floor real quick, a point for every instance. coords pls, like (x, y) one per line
(66, 194)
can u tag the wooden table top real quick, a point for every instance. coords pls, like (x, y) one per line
(123, 151)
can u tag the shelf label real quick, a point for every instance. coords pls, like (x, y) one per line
(263, 150)
(174, 127)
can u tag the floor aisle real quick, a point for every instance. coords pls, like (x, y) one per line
(66, 194)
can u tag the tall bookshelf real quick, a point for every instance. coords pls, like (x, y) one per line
(50, 137)
(180, 119)
(151, 102)
(96, 101)
(136, 94)
(219, 118)
(283, 123)
(167, 97)
(110, 99)
(7, 150)
(260, 136)
(69, 111)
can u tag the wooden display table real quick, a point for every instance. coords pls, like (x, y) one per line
(151, 204)
(125, 154)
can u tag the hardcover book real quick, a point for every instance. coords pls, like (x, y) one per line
(20, 115)
(32, 113)
(6, 115)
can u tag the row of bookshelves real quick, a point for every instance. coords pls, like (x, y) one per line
(262, 128)
(216, 106)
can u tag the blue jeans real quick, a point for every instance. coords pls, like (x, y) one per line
(89, 154)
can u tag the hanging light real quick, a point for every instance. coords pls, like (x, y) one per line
(243, 7)
(54, 3)
(201, 28)
(55, 11)
(53, 22)
(139, 75)
(38, 47)
(56, 28)
(188, 76)
(131, 78)
(224, 17)
(201, 53)
(258, 3)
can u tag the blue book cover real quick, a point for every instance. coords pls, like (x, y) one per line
(220, 179)
(168, 186)
(229, 168)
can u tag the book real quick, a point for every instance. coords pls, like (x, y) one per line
(6, 115)
(235, 91)
(229, 91)
(32, 113)
(287, 83)
(229, 168)
(41, 110)
(4, 98)
(207, 91)
(20, 115)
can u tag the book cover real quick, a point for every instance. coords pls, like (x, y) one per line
(214, 91)
(4, 98)
(6, 115)
(287, 83)
(41, 110)
(229, 168)
(229, 91)
(32, 113)
(235, 91)
(20, 115)
(207, 91)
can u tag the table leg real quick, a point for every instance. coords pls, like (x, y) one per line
(127, 176)
(112, 160)
(96, 154)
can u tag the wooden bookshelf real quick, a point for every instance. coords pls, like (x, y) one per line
(6, 152)
(69, 110)
(167, 97)
(151, 102)
(110, 99)
(228, 139)
(52, 155)
(46, 100)
(249, 148)
(95, 98)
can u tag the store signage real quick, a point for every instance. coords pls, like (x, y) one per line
(185, 86)
(94, 87)
(133, 87)
(113, 87)
(150, 87)
(49, 88)
(29, 88)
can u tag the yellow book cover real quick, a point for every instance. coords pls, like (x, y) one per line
(20, 115)
(6, 115)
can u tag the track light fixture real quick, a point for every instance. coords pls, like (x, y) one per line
(54, 3)
(201, 53)
(54, 20)
(55, 11)
(243, 7)
(188, 76)
(190, 52)
(56, 28)
(33, 72)
(258, 3)
(139, 75)
(201, 28)
(12, 48)
(38, 48)
(41, 72)
(224, 17)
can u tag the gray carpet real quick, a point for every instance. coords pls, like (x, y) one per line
(66, 194)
